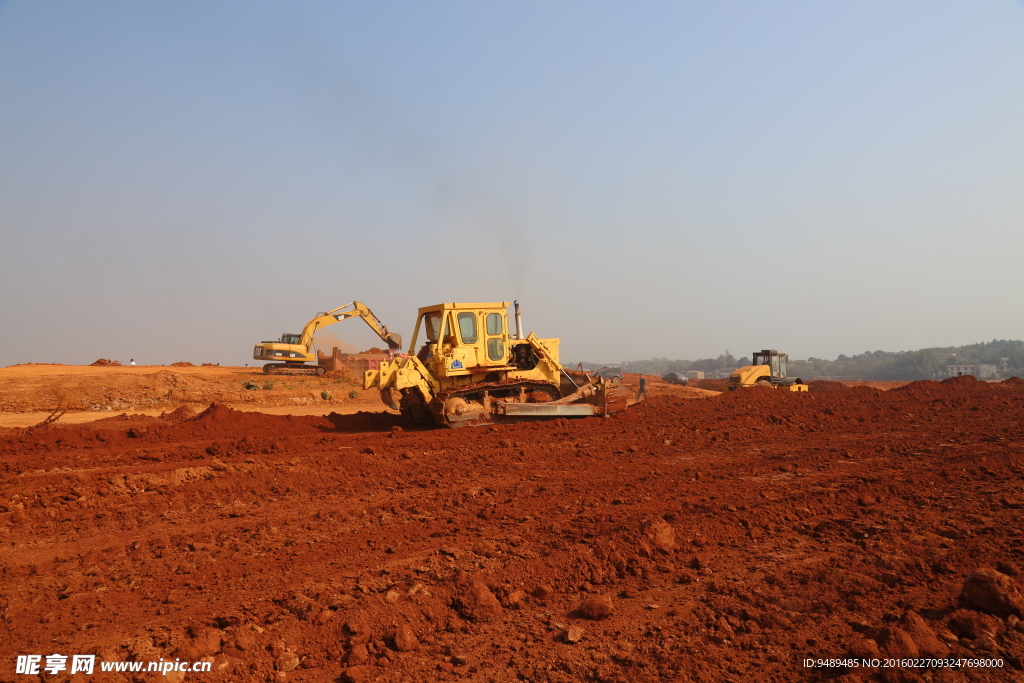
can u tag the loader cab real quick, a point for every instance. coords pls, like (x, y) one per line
(774, 360)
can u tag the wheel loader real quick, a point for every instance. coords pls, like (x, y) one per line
(472, 369)
(768, 370)
(296, 350)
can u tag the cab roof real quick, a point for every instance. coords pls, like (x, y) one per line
(491, 305)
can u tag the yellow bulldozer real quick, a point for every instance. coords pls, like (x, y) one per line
(768, 370)
(294, 351)
(472, 369)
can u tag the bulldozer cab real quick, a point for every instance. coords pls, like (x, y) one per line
(460, 337)
(774, 360)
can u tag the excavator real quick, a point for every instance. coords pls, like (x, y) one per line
(472, 370)
(768, 370)
(296, 350)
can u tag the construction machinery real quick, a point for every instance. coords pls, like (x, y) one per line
(296, 350)
(471, 369)
(768, 370)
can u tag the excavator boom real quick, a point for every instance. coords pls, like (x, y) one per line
(392, 339)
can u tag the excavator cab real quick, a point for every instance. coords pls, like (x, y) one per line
(291, 338)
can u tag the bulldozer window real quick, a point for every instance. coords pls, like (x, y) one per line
(433, 326)
(494, 323)
(467, 327)
(495, 349)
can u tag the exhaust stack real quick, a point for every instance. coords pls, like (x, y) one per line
(519, 321)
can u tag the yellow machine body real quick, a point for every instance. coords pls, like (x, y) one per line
(470, 369)
(769, 370)
(292, 351)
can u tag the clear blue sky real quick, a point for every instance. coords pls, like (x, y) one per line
(181, 180)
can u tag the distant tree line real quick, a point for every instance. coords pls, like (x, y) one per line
(871, 365)
(663, 366)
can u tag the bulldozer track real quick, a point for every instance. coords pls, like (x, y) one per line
(437, 404)
(285, 369)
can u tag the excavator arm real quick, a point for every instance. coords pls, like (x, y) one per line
(359, 310)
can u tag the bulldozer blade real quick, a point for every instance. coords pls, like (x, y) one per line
(546, 410)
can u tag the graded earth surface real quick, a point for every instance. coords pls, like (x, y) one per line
(696, 537)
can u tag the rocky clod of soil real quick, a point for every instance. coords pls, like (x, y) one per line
(729, 538)
(991, 591)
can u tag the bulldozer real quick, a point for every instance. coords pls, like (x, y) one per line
(472, 369)
(768, 370)
(296, 350)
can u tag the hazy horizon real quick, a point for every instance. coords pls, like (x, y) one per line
(179, 182)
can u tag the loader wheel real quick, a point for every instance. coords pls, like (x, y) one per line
(763, 383)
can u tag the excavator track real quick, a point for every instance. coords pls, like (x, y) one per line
(289, 369)
(475, 411)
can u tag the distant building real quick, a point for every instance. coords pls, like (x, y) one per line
(695, 374)
(979, 370)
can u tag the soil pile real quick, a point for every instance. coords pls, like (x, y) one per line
(718, 539)
(820, 385)
(105, 361)
(182, 364)
(709, 384)
(179, 414)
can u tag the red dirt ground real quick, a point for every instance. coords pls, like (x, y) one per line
(725, 538)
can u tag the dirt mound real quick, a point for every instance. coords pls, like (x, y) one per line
(820, 385)
(180, 414)
(182, 364)
(211, 365)
(962, 380)
(105, 361)
(1013, 380)
(372, 351)
(18, 365)
(709, 384)
(726, 538)
(368, 422)
(123, 417)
